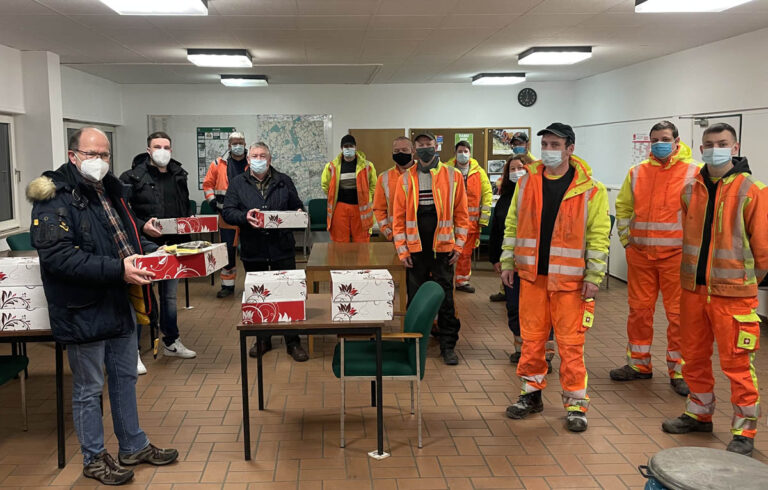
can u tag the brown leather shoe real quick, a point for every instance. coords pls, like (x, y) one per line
(298, 353)
(260, 347)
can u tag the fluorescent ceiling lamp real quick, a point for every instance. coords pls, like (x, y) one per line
(554, 55)
(498, 78)
(158, 7)
(226, 58)
(244, 80)
(645, 6)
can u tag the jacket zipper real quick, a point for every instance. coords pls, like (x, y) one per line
(720, 184)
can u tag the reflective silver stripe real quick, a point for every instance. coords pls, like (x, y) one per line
(643, 361)
(460, 242)
(578, 395)
(444, 224)
(411, 237)
(690, 250)
(721, 273)
(662, 242)
(399, 237)
(633, 178)
(507, 254)
(705, 405)
(472, 209)
(385, 222)
(574, 253)
(622, 223)
(385, 183)
(367, 215)
(689, 268)
(444, 237)
(743, 423)
(461, 278)
(220, 193)
(676, 367)
(508, 242)
(647, 225)
(746, 410)
(639, 348)
(566, 270)
(597, 266)
(692, 169)
(595, 255)
(535, 378)
(402, 249)
(451, 176)
(527, 242)
(736, 254)
(485, 209)
(673, 354)
(411, 224)
(525, 259)
(460, 231)
(364, 207)
(474, 218)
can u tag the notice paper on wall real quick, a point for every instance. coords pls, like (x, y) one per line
(641, 147)
(212, 143)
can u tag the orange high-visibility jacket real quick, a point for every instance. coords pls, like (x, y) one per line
(479, 195)
(738, 249)
(648, 214)
(365, 175)
(450, 201)
(383, 198)
(216, 183)
(579, 247)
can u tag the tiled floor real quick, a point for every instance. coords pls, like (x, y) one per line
(195, 406)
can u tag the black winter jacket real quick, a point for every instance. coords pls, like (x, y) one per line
(257, 244)
(81, 269)
(498, 225)
(146, 196)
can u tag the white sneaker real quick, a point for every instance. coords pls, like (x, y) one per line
(140, 368)
(177, 349)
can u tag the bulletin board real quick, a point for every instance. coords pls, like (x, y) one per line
(498, 148)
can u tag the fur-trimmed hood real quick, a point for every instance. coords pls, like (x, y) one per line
(41, 189)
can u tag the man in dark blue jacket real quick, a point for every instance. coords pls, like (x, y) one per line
(87, 239)
(264, 188)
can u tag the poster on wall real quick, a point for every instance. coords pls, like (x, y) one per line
(212, 143)
(468, 137)
(496, 166)
(502, 139)
(641, 147)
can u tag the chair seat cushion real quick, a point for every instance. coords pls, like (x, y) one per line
(360, 359)
(10, 366)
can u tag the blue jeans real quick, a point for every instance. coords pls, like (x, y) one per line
(167, 291)
(87, 362)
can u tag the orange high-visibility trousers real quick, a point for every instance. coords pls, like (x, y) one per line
(346, 225)
(645, 278)
(734, 325)
(541, 310)
(464, 264)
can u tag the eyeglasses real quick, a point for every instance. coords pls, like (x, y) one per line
(91, 154)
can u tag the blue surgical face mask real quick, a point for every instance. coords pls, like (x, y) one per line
(716, 156)
(662, 149)
(238, 150)
(348, 152)
(258, 166)
(519, 150)
(462, 158)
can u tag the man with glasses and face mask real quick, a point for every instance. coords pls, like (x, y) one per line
(159, 190)
(725, 256)
(383, 197)
(220, 173)
(556, 238)
(87, 239)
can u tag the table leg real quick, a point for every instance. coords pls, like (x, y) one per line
(260, 380)
(186, 294)
(379, 395)
(246, 408)
(60, 404)
(403, 291)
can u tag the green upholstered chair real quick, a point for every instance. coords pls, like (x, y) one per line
(192, 207)
(318, 209)
(485, 235)
(19, 242)
(404, 354)
(10, 367)
(205, 208)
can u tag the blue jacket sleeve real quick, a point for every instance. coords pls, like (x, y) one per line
(231, 211)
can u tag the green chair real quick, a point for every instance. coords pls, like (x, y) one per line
(318, 209)
(20, 242)
(404, 354)
(485, 236)
(10, 367)
(192, 207)
(205, 208)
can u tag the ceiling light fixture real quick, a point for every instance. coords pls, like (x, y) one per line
(158, 7)
(554, 55)
(226, 58)
(498, 78)
(647, 6)
(244, 80)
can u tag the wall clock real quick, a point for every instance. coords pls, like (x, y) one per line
(527, 97)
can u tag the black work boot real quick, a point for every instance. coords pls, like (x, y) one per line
(626, 373)
(680, 386)
(576, 421)
(526, 404)
(514, 358)
(260, 347)
(685, 424)
(741, 445)
(225, 291)
(297, 352)
(498, 297)
(151, 455)
(105, 469)
(465, 288)
(449, 356)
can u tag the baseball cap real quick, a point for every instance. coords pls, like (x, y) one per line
(519, 136)
(424, 133)
(348, 140)
(560, 130)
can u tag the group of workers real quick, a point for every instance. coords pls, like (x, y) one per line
(696, 232)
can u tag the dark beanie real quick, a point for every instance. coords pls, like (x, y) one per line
(348, 140)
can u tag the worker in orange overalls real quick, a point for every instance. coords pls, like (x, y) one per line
(556, 238)
(384, 196)
(215, 186)
(349, 181)
(650, 225)
(479, 199)
(429, 221)
(725, 256)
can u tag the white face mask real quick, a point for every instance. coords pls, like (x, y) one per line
(552, 158)
(161, 157)
(348, 153)
(716, 156)
(238, 150)
(258, 166)
(462, 158)
(515, 175)
(93, 169)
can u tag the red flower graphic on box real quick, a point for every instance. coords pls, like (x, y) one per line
(9, 321)
(273, 221)
(260, 293)
(346, 293)
(344, 312)
(210, 263)
(9, 299)
(3, 276)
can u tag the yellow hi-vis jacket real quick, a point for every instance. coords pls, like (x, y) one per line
(365, 174)
(479, 195)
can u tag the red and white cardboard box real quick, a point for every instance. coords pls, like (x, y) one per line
(15, 320)
(352, 286)
(167, 266)
(281, 219)
(273, 312)
(272, 286)
(22, 298)
(362, 310)
(20, 271)
(186, 226)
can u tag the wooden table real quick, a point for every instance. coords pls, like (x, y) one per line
(318, 322)
(326, 257)
(23, 336)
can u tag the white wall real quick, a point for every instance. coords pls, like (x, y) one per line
(89, 98)
(11, 87)
(351, 106)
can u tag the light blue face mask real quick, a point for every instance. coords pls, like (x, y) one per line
(662, 149)
(238, 150)
(716, 156)
(258, 166)
(519, 150)
(348, 152)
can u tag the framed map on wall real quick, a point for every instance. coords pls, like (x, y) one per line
(212, 143)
